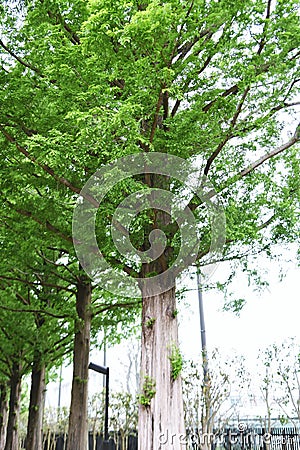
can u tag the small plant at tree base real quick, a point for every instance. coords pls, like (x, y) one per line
(176, 362)
(148, 391)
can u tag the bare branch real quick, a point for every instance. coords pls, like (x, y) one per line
(118, 305)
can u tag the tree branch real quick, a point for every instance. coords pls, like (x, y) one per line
(74, 38)
(33, 311)
(229, 132)
(45, 167)
(156, 117)
(178, 102)
(32, 283)
(46, 224)
(265, 157)
(20, 60)
(242, 101)
(118, 305)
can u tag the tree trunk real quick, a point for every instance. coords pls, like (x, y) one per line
(36, 406)
(161, 424)
(207, 414)
(12, 438)
(3, 413)
(206, 428)
(78, 419)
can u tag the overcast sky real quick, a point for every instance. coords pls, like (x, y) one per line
(268, 316)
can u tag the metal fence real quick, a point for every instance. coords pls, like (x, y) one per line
(285, 438)
(117, 441)
(279, 438)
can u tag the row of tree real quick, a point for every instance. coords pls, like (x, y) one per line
(86, 82)
(42, 321)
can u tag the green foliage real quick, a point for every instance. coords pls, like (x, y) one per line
(81, 93)
(150, 322)
(235, 305)
(176, 362)
(80, 380)
(148, 391)
(175, 313)
(124, 412)
(283, 420)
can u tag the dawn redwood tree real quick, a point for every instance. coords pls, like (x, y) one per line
(31, 343)
(51, 287)
(3, 409)
(87, 82)
(35, 289)
(16, 353)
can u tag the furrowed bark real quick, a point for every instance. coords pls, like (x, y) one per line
(3, 413)
(161, 424)
(36, 405)
(12, 438)
(78, 420)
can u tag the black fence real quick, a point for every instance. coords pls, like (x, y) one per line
(118, 441)
(285, 438)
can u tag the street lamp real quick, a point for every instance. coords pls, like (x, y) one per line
(104, 371)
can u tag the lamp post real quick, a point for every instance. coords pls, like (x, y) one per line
(104, 355)
(104, 371)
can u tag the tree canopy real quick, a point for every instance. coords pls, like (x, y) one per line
(85, 83)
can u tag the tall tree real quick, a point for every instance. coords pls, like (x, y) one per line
(85, 83)
(52, 290)
(16, 353)
(3, 409)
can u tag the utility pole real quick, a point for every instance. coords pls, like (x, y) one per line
(206, 415)
(59, 393)
(202, 329)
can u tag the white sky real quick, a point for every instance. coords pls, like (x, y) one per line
(267, 317)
